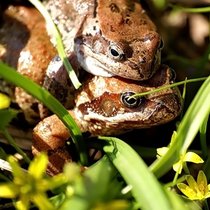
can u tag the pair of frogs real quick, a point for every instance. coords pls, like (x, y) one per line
(119, 45)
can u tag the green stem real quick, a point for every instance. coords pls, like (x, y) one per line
(169, 86)
(59, 43)
(203, 142)
(205, 205)
(192, 10)
(186, 169)
(175, 179)
(14, 145)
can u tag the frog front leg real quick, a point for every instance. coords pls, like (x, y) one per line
(50, 136)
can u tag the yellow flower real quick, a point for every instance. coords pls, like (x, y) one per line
(187, 157)
(4, 101)
(32, 185)
(199, 190)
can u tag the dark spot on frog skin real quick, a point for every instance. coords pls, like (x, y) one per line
(128, 21)
(143, 22)
(56, 89)
(34, 107)
(114, 8)
(143, 60)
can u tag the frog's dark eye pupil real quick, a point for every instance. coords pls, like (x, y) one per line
(114, 52)
(129, 101)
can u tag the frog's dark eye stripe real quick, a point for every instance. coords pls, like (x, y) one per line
(130, 102)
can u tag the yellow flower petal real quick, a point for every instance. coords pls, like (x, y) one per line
(4, 101)
(42, 202)
(178, 166)
(8, 190)
(193, 157)
(38, 166)
(207, 195)
(16, 169)
(187, 191)
(192, 183)
(23, 203)
(202, 183)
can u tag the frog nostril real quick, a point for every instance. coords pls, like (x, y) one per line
(129, 101)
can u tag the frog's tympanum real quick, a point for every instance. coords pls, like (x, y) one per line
(104, 106)
(114, 37)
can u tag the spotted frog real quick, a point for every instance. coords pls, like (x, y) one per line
(104, 106)
(107, 38)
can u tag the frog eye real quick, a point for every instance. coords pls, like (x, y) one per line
(116, 52)
(130, 102)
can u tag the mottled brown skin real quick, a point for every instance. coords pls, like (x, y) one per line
(98, 105)
(27, 46)
(130, 27)
(114, 37)
(28, 49)
(99, 110)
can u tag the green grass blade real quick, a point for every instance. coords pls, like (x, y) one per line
(49, 101)
(203, 140)
(159, 4)
(97, 184)
(145, 187)
(187, 130)
(191, 10)
(169, 86)
(59, 43)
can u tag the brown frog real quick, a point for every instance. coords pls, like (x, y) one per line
(25, 45)
(114, 37)
(32, 50)
(103, 106)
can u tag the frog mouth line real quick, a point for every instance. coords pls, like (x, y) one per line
(96, 66)
(146, 115)
(92, 56)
